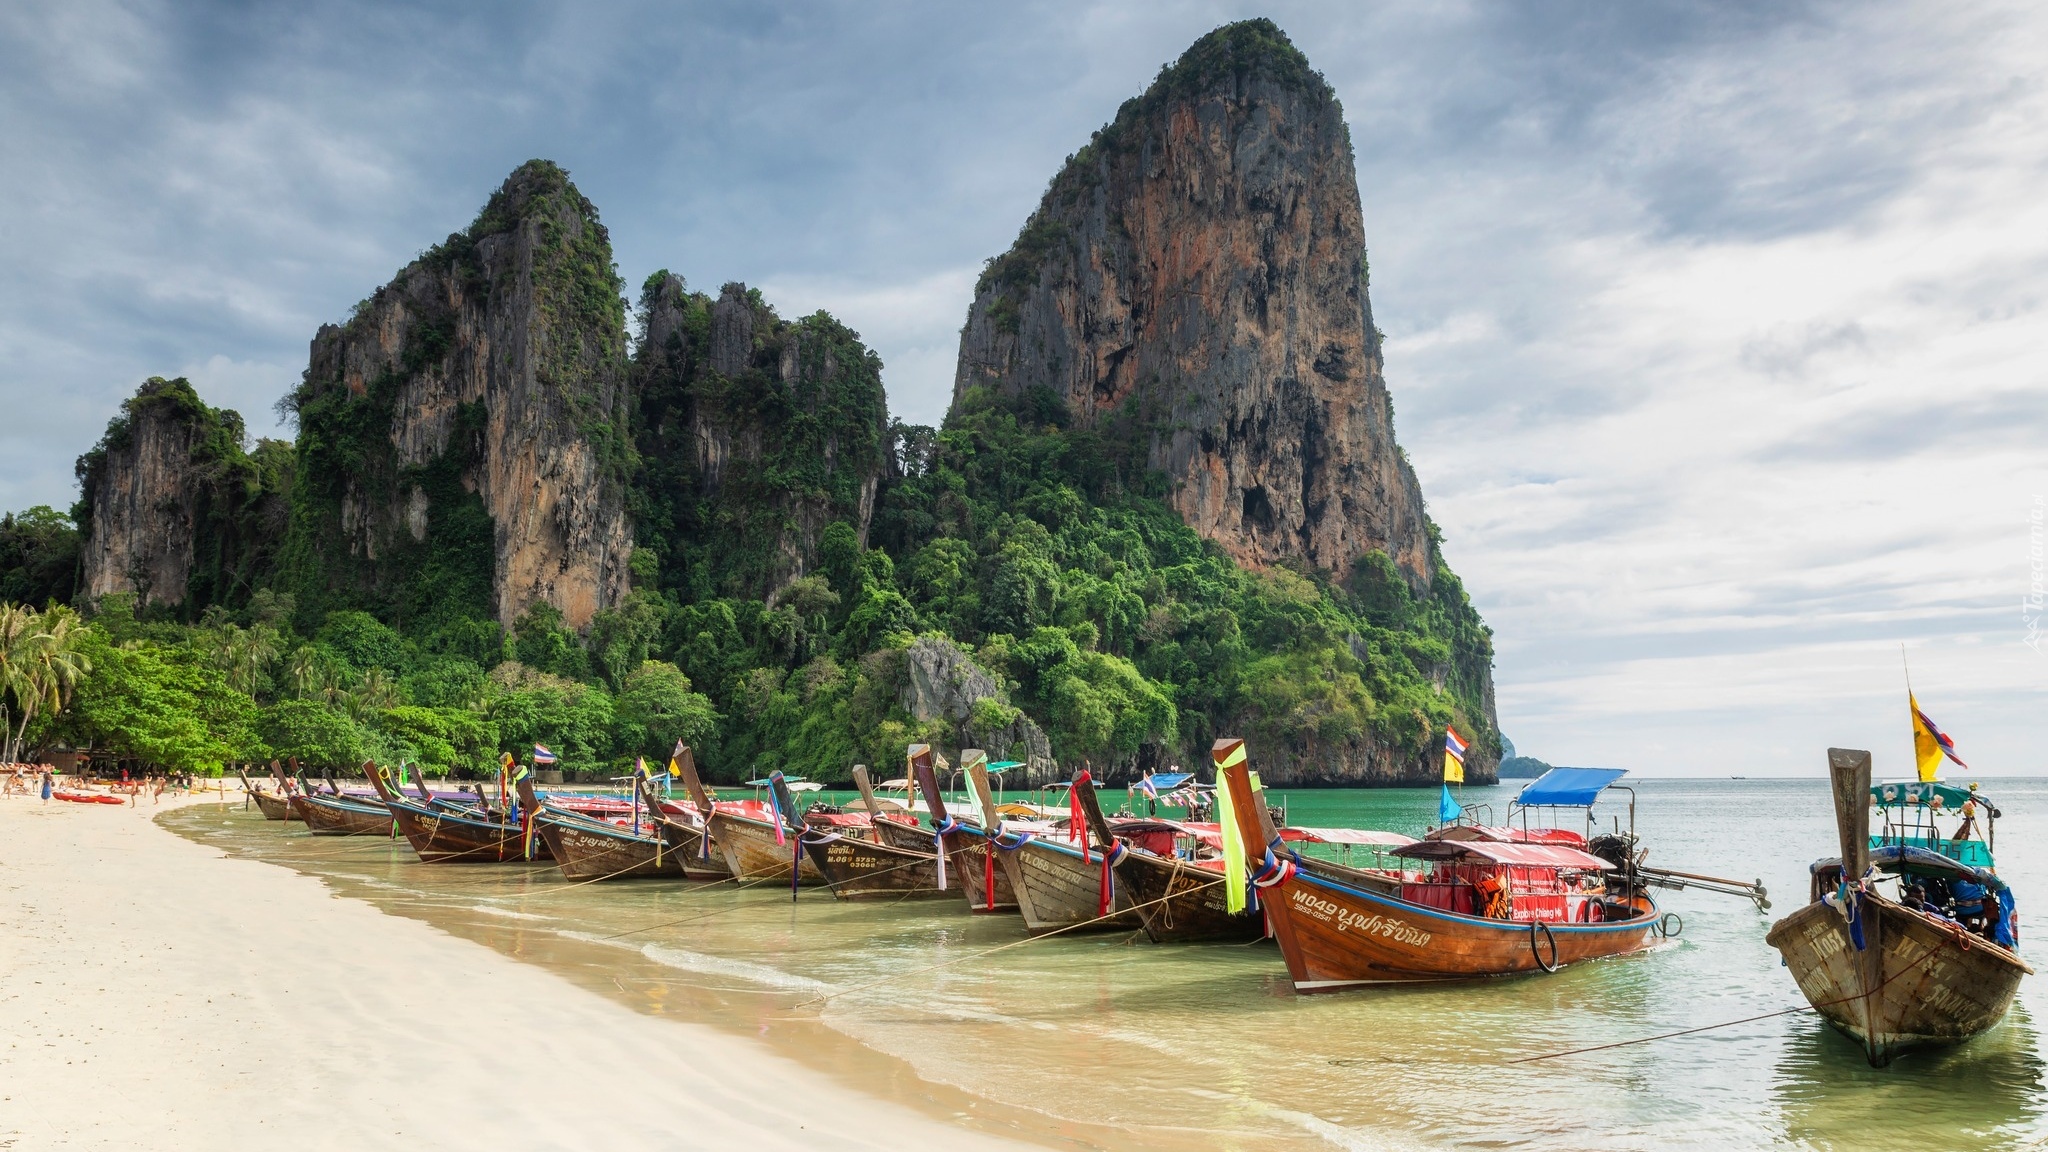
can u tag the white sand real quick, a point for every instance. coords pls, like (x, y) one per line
(155, 993)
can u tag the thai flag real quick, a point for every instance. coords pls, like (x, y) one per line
(1453, 746)
(542, 756)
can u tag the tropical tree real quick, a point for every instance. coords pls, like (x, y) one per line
(41, 662)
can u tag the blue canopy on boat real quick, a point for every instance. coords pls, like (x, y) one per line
(1159, 782)
(1568, 787)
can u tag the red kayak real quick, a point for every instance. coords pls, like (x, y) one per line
(85, 797)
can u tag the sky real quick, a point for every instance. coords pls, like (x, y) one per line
(1714, 330)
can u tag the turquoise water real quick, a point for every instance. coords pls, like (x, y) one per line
(1107, 1041)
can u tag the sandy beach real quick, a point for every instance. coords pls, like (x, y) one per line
(155, 993)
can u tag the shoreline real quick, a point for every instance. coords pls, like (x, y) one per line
(159, 992)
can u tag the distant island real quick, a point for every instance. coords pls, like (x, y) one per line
(1522, 768)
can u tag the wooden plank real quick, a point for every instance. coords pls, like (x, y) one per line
(1849, 773)
(1003, 882)
(867, 791)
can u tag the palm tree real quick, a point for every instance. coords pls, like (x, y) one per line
(246, 654)
(40, 663)
(376, 693)
(302, 671)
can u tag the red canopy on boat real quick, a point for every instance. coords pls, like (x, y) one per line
(1521, 855)
(1509, 835)
(1346, 836)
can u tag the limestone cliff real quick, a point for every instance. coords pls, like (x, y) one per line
(1190, 299)
(942, 682)
(754, 433)
(463, 433)
(1197, 272)
(172, 508)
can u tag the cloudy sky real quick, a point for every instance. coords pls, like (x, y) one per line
(1714, 330)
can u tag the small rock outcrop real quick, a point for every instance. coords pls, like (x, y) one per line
(172, 508)
(464, 433)
(942, 682)
(754, 433)
(1196, 278)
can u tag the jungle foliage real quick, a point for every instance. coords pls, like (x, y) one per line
(792, 545)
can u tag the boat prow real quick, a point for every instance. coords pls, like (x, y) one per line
(1889, 976)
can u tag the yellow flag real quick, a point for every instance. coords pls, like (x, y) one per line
(674, 769)
(1930, 745)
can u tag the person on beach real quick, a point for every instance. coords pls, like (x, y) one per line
(46, 785)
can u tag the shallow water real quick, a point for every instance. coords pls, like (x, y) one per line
(1109, 1041)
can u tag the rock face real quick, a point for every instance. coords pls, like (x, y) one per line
(1197, 275)
(464, 433)
(944, 683)
(172, 509)
(754, 433)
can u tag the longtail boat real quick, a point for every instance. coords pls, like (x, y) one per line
(1487, 907)
(591, 847)
(1900, 972)
(1171, 875)
(858, 863)
(444, 835)
(274, 805)
(985, 855)
(759, 841)
(339, 814)
(683, 832)
(1070, 883)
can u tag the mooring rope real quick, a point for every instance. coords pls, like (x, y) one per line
(1931, 953)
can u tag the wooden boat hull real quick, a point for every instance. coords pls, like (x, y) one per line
(1335, 935)
(438, 836)
(1057, 889)
(988, 885)
(866, 870)
(590, 850)
(699, 854)
(328, 816)
(751, 852)
(273, 806)
(1179, 902)
(985, 884)
(1929, 982)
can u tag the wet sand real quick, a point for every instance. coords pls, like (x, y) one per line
(156, 993)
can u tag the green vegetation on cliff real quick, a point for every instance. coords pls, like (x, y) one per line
(798, 558)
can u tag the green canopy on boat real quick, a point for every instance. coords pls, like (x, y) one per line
(1913, 793)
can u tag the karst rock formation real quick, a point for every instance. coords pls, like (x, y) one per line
(1198, 270)
(172, 507)
(492, 368)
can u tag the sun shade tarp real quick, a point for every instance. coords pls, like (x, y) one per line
(1162, 782)
(1346, 836)
(1520, 855)
(1569, 787)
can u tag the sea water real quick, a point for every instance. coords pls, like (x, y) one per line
(1109, 1041)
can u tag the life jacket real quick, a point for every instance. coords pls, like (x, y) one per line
(1493, 898)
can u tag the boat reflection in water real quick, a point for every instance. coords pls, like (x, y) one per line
(1989, 1093)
